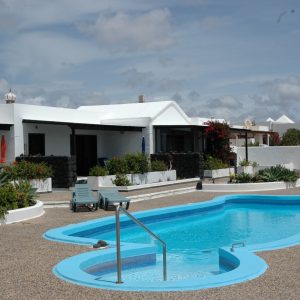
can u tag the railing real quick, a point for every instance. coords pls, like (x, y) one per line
(118, 208)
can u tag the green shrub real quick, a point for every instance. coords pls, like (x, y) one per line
(245, 163)
(26, 194)
(158, 165)
(16, 195)
(213, 163)
(27, 170)
(277, 173)
(291, 137)
(243, 178)
(255, 144)
(8, 198)
(137, 163)
(98, 171)
(121, 180)
(117, 165)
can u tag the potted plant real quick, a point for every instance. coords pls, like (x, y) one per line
(246, 167)
(215, 168)
(135, 167)
(38, 174)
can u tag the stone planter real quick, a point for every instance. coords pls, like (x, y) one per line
(22, 214)
(218, 173)
(152, 177)
(97, 181)
(135, 179)
(42, 186)
(245, 169)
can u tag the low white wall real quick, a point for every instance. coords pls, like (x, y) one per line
(135, 179)
(219, 173)
(22, 214)
(271, 156)
(244, 187)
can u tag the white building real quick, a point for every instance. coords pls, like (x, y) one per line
(92, 133)
(282, 124)
(95, 132)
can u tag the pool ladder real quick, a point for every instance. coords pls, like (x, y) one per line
(118, 242)
(237, 245)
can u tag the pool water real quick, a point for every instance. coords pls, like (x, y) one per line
(193, 240)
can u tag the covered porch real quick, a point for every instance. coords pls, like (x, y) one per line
(88, 143)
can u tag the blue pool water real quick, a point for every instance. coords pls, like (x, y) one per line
(193, 240)
(198, 237)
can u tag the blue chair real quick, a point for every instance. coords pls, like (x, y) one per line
(82, 196)
(111, 196)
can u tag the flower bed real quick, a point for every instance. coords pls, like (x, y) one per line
(38, 174)
(22, 214)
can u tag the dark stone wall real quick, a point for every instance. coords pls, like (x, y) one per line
(187, 165)
(64, 168)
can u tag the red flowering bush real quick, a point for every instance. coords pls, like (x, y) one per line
(217, 136)
(275, 139)
(27, 170)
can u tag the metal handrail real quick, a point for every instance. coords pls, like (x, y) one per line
(234, 245)
(118, 208)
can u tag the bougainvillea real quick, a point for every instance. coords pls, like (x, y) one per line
(217, 136)
(275, 139)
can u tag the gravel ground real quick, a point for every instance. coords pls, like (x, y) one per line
(27, 261)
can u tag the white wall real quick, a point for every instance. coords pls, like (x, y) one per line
(114, 143)
(6, 113)
(270, 156)
(57, 138)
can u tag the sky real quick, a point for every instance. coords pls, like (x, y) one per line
(233, 59)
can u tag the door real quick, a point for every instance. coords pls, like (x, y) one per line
(86, 153)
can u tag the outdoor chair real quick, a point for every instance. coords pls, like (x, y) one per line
(82, 196)
(111, 196)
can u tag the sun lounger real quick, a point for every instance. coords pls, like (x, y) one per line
(111, 196)
(82, 196)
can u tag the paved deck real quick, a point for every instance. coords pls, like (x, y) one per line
(27, 260)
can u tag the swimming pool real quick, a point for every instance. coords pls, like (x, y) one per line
(198, 238)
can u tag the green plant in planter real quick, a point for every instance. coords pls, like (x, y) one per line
(117, 165)
(158, 165)
(243, 178)
(137, 163)
(121, 180)
(245, 163)
(27, 170)
(278, 173)
(8, 198)
(213, 163)
(98, 171)
(26, 194)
